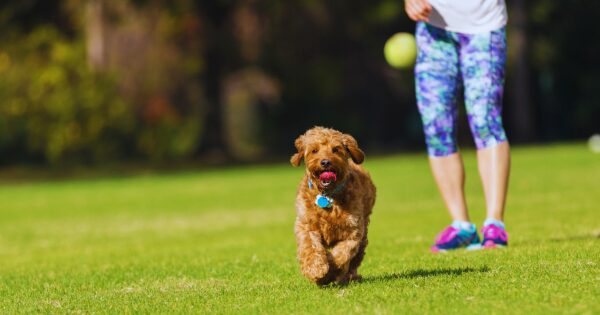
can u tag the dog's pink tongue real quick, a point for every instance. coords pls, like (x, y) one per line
(327, 177)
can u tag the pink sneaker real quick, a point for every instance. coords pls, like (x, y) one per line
(454, 238)
(494, 236)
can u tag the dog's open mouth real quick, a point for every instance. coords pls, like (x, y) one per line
(327, 178)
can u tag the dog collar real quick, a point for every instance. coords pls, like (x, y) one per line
(325, 200)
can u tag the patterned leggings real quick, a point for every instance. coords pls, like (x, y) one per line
(446, 61)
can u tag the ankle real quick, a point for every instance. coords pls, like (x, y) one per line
(464, 225)
(495, 222)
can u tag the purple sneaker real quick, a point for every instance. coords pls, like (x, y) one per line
(494, 236)
(454, 238)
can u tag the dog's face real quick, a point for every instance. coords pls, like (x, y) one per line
(326, 151)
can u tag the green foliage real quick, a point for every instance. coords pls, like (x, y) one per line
(169, 77)
(170, 139)
(565, 66)
(222, 242)
(158, 74)
(54, 107)
(137, 95)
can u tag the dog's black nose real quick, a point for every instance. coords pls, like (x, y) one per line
(325, 163)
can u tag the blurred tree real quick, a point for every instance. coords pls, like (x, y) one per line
(95, 34)
(564, 61)
(97, 80)
(216, 54)
(55, 109)
(153, 51)
(522, 126)
(145, 55)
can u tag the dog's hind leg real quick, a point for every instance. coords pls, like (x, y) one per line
(342, 274)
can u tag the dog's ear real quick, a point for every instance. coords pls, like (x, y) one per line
(358, 156)
(297, 158)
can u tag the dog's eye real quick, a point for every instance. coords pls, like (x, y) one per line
(335, 150)
(315, 151)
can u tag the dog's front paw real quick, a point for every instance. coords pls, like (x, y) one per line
(340, 257)
(316, 268)
(354, 276)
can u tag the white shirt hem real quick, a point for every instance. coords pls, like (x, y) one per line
(472, 29)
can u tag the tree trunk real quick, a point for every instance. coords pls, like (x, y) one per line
(522, 126)
(95, 34)
(215, 15)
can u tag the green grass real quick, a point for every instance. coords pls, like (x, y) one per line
(222, 242)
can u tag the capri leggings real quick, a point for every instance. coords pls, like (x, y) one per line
(446, 62)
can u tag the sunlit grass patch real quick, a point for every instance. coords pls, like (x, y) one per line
(221, 241)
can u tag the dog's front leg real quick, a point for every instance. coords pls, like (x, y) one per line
(311, 253)
(345, 250)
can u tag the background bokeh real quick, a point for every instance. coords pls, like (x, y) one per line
(95, 81)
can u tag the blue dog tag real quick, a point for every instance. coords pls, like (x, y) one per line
(323, 201)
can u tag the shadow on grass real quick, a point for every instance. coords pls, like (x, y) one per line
(424, 273)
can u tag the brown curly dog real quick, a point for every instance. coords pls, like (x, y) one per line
(334, 201)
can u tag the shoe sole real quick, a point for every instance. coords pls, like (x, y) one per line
(476, 246)
(472, 247)
(488, 246)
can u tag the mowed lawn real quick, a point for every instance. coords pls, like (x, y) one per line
(221, 241)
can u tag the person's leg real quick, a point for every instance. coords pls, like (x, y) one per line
(482, 60)
(494, 169)
(449, 174)
(437, 83)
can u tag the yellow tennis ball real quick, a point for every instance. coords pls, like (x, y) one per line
(400, 50)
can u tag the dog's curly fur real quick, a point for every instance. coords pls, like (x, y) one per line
(331, 242)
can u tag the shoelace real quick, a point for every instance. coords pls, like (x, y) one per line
(446, 235)
(494, 232)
